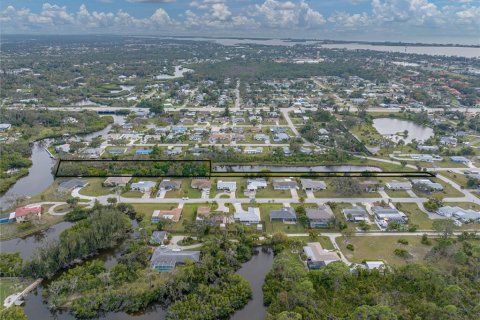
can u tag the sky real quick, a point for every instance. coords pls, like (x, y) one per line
(428, 21)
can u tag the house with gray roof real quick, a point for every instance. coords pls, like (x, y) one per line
(286, 214)
(320, 217)
(168, 184)
(158, 237)
(356, 214)
(284, 184)
(463, 215)
(426, 185)
(398, 185)
(165, 259)
(313, 185)
(143, 186)
(71, 184)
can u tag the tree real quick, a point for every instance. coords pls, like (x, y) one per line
(13, 313)
(72, 202)
(346, 186)
(112, 201)
(445, 226)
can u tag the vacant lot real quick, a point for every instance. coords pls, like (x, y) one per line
(382, 248)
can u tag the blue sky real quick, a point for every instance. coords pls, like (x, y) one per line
(374, 20)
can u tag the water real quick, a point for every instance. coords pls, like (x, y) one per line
(267, 42)
(390, 127)
(466, 52)
(179, 72)
(326, 168)
(255, 271)
(39, 176)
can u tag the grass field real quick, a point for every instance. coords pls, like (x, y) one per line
(269, 192)
(95, 188)
(10, 286)
(382, 248)
(397, 193)
(132, 194)
(416, 216)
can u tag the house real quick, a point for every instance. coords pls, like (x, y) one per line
(117, 151)
(173, 215)
(71, 184)
(174, 151)
(158, 237)
(22, 214)
(426, 185)
(448, 141)
(5, 126)
(253, 150)
(165, 260)
(254, 184)
(226, 185)
(92, 153)
(169, 185)
(386, 215)
(284, 184)
(312, 185)
(63, 148)
(201, 183)
(252, 215)
(320, 217)
(355, 214)
(261, 137)
(460, 214)
(397, 185)
(143, 186)
(286, 214)
(458, 159)
(374, 265)
(318, 257)
(280, 137)
(427, 148)
(143, 151)
(203, 213)
(116, 181)
(369, 185)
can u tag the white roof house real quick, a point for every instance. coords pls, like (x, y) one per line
(226, 185)
(254, 184)
(252, 215)
(371, 265)
(461, 214)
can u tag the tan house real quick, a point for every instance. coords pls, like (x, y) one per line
(23, 214)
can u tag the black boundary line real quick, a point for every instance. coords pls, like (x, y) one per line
(305, 174)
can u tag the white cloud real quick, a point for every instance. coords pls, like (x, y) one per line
(415, 12)
(350, 21)
(275, 13)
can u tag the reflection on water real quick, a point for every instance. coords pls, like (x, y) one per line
(391, 126)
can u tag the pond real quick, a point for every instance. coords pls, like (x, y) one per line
(390, 127)
(275, 168)
(179, 72)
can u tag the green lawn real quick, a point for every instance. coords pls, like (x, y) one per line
(10, 286)
(459, 178)
(269, 192)
(146, 209)
(382, 248)
(184, 191)
(448, 191)
(132, 194)
(95, 188)
(275, 226)
(397, 193)
(416, 216)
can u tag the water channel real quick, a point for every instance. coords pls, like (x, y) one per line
(295, 169)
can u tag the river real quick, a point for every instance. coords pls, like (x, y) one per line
(254, 271)
(40, 175)
(389, 127)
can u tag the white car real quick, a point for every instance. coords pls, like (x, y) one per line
(185, 198)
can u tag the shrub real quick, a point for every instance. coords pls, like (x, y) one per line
(350, 247)
(403, 241)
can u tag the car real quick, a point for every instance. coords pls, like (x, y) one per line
(185, 198)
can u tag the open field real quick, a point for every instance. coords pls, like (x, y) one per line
(376, 248)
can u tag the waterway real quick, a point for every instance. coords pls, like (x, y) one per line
(40, 175)
(274, 168)
(465, 52)
(389, 127)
